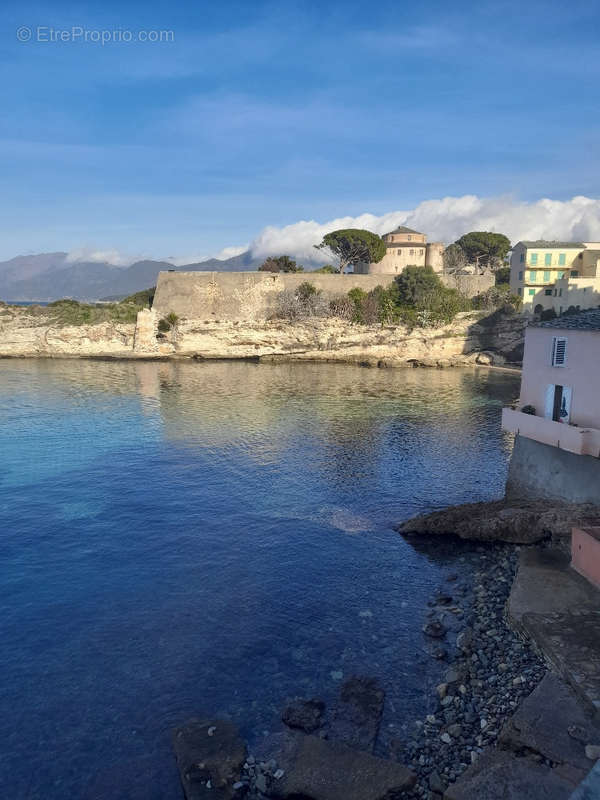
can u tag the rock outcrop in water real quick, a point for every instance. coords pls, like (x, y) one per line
(470, 339)
(502, 521)
(210, 755)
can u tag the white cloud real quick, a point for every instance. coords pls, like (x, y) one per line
(111, 256)
(226, 252)
(446, 220)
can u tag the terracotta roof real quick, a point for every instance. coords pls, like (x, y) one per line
(544, 243)
(403, 229)
(582, 321)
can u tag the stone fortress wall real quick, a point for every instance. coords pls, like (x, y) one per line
(254, 296)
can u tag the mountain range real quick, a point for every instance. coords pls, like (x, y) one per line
(51, 276)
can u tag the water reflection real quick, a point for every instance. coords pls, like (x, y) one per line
(189, 537)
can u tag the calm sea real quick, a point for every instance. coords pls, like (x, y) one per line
(187, 538)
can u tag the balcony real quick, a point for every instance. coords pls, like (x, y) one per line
(582, 441)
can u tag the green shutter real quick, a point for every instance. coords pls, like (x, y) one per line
(548, 259)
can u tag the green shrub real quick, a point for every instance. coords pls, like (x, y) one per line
(306, 292)
(415, 284)
(498, 296)
(502, 276)
(547, 314)
(164, 325)
(144, 299)
(326, 269)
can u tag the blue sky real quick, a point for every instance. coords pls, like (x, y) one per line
(263, 114)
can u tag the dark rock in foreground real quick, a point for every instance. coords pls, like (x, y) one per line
(324, 770)
(500, 521)
(554, 723)
(498, 775)
(210, 756)
(357, 716)
(304, 715)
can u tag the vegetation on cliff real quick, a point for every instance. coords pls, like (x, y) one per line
(416, 298)
(72, 312)
(280, 264)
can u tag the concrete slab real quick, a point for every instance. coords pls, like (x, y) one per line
(560, 612)
(545, 583)
(589, 788)
(322, 770)
(570, 642)
(554, 722)
(498, 775)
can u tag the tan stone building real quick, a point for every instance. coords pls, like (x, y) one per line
(405, 247)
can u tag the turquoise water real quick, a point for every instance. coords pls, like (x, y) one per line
(182, 538)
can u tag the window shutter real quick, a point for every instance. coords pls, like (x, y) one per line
(559, 351)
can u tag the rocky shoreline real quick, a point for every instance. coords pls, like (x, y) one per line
(489, 670)
(473, 338)
(490, 673)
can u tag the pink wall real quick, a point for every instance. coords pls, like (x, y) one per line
(581, 372)
(585, 553)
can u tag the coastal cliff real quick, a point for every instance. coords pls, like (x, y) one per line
(472, 338)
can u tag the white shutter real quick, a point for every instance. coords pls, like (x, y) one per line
(559, 351)
(549, 406)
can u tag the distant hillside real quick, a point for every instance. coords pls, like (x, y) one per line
(49, 276)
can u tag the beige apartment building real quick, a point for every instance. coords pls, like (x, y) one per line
(557, 275)
(405, 247)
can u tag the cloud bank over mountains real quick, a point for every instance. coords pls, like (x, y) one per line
(444, 220)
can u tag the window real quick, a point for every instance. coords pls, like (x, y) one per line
(421, 252)
(574, 273)
(560, 292)
(520, 290)
(531, 292)
(559, 351)
(532, 276)
(412, 252)
(561, 273)
(522, 259)
(409, 238)
(520, 276)
(546, 275)
(558, 403)
(533, 258)
(562, 259)
(548, 259)
(548, 292)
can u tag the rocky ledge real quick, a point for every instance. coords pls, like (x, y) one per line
(504, 521)
(470, 339)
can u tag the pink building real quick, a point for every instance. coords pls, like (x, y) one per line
(557, 417)
(560, 387)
